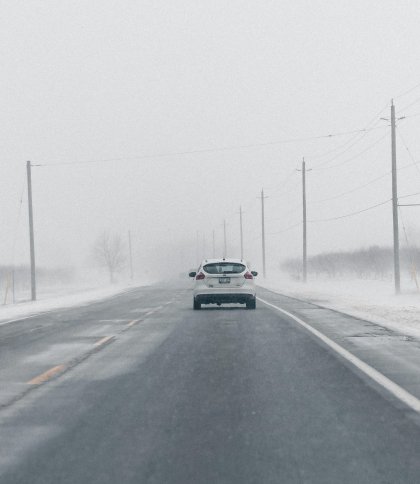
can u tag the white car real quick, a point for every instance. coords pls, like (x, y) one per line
(219, 281)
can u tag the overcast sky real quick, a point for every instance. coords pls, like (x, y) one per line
(243, 85)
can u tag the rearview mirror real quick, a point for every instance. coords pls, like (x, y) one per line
(254, 273)
(192, 274)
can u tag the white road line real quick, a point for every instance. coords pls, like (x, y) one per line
(399, 392)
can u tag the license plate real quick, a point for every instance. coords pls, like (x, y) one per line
(224, 280)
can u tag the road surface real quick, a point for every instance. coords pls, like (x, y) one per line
(140, 388)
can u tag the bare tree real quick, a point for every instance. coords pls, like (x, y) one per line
(109, 252)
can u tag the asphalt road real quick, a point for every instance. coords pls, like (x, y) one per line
(142, 389)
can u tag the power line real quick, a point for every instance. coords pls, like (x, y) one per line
(373, 121)
(282, 183)
(409, 105)
(286, 229)
(288, 213)
(16, 228)
(357, 139)
(407, 196)
(351, 214)
(408, 91)
(284, 192)
(353, 189)
(370, 182)
(320, 167)
(206, 150)
(415, 163)
(412, 115)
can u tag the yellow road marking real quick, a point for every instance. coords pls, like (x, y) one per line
(103, 340)
(47, 375)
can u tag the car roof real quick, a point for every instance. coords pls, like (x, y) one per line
(227, 259)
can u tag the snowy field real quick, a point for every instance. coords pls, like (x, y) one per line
(372, 300)
(60, 298)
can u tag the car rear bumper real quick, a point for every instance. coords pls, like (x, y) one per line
(233, 297)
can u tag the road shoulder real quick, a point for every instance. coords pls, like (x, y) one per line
(391, 353)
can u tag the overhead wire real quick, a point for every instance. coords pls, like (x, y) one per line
(341, 163)
(356, 139)
(275, 194)
(374, 120)
(16, 228)
(410, 195)
(201, 151)
(342, 152)
(350, 214)
(370, 182)
(415, 163)
(282, 183)
(286, 229)
(288, 213)
(360, 134)
(408, 91)
(409, 105)
(412, 115)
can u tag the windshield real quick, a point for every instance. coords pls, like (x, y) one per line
(224, 268)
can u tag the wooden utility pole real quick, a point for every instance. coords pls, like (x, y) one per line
(31, 232)
(395, 203)
(214, 245)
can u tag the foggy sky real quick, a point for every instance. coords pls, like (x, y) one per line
(84, 81)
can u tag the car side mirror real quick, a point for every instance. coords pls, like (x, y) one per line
(254, 273)
(192, 274)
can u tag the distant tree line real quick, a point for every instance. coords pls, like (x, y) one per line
(372, 263)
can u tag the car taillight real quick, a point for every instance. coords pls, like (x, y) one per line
(199, 276)
(248, 275)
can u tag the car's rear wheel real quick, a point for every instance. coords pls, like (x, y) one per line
(251, 303)
(196, 305)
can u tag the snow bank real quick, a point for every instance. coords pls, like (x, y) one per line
(59, 300)
(371, 300)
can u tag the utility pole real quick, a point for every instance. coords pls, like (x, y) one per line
(31, 231)
(224, 240)
(241, 233)
(214, 245)
(304, 252)
(395, 203)
(304, 224)
(131, 255)
(263, 232)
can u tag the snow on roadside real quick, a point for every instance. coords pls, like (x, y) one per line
(370, 300)
(56, 301)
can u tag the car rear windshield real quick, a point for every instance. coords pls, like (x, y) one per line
(224, 268)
